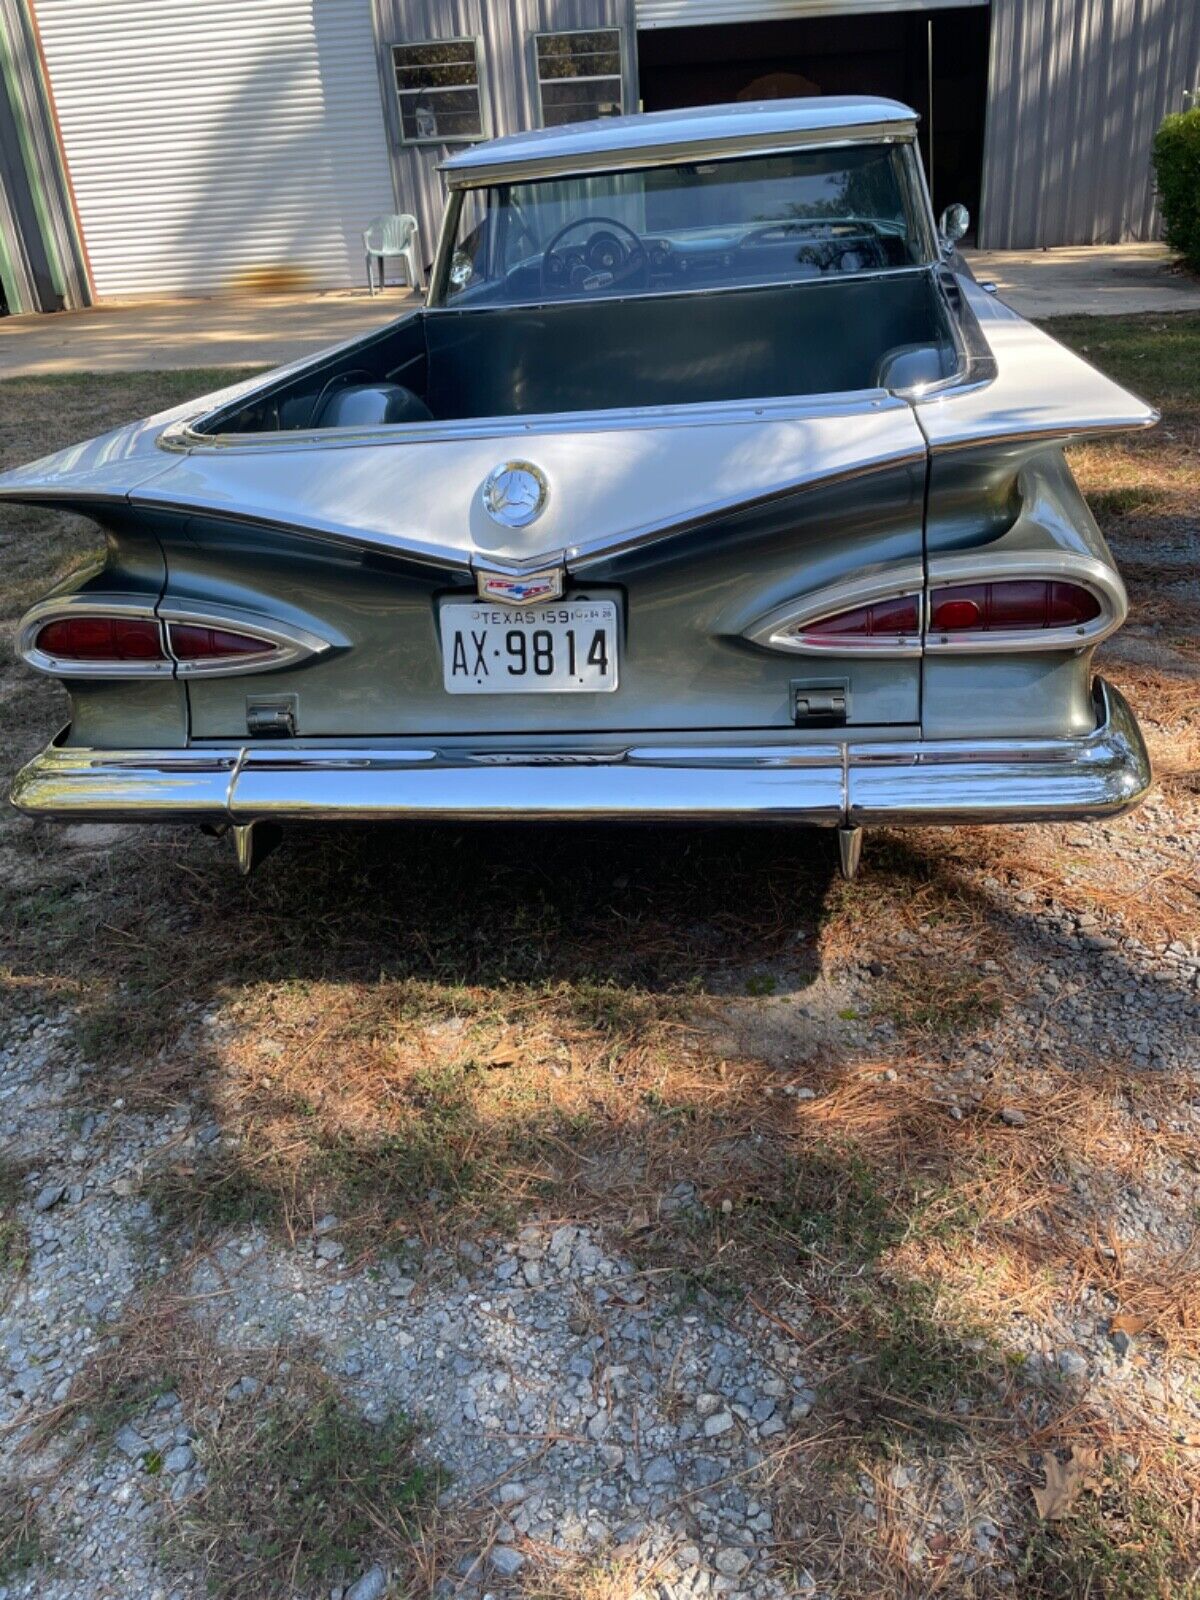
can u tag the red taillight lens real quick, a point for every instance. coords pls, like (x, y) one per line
(1012, 604)
(193, 643)
(885, 619)
(100, 639)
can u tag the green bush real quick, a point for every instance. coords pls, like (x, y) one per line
(1177, 169)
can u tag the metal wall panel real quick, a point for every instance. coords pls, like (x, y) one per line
(1077, 89)
(218, 144)
(506, 29)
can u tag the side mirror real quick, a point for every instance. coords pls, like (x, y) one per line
(955, 221)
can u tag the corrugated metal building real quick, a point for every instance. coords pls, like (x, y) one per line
(185, 146)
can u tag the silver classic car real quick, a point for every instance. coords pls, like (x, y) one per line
(706, 484)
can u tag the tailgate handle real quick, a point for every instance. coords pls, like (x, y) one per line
(820, 702)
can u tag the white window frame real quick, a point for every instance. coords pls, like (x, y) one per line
(603, 77)
(472, 39)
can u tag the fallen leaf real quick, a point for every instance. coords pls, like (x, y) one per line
(1066, 1481)
(1128, 1322)
(502, 1055)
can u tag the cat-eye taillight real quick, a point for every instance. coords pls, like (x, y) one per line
(115, 639)
(1023, 603)
(1027, 604)
(191, 642)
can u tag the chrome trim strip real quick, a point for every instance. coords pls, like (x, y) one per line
(1078, 427)
(604, 546)
(842, 783)
(182, 437)
(288, 644)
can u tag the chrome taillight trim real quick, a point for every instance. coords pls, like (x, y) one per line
(285, 644)
(92, 605)
(1001, 566)
(777, 629)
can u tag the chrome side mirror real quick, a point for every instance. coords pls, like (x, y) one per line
(955, 221)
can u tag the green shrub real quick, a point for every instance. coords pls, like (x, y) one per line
(1177, 169)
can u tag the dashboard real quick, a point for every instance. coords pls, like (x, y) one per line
(600, 255)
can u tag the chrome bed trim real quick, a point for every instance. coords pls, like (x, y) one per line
(834, 783)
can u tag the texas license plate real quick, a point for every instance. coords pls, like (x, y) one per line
(569, 647)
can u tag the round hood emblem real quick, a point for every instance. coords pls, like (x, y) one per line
(515, 493)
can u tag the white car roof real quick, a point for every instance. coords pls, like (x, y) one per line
(655, 136)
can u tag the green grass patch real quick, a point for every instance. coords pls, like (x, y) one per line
(217, 1194)
(1122, 1544)
(14, 1237)
(301, 1494)
(1156, 354)
(22, 1543)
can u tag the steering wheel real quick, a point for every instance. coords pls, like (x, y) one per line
(604, 261)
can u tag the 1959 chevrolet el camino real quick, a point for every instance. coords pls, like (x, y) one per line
(706, 484)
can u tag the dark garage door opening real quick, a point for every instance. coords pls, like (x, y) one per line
(886, 54)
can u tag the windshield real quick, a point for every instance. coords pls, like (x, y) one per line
(718, 224)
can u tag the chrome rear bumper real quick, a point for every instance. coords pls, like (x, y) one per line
(834, 784)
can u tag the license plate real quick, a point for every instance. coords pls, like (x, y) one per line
(569, 647)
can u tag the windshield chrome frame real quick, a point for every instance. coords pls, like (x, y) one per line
(915, 196)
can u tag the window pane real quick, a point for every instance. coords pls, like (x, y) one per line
(446, 76)
(435, 53)
(444, 114)
(605, 63)
(721, 224)
(580, 101)
(438, 91)
(566, 44)
(579, 55)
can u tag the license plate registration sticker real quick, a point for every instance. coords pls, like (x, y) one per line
(567, 647)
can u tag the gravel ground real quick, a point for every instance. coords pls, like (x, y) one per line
(577, 1409)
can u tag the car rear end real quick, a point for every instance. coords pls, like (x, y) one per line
(716, 591)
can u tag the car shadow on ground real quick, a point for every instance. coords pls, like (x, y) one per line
(436, 1033)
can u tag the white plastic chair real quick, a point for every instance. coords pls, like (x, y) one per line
(394, 235)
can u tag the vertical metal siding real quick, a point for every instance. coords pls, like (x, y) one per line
(214, 143)
(506, 28)
(1077, 89)
(416, 180)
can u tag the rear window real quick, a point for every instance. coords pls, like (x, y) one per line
(798, 214)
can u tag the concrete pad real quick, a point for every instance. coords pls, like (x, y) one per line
(157, 335)
(1092, 280)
